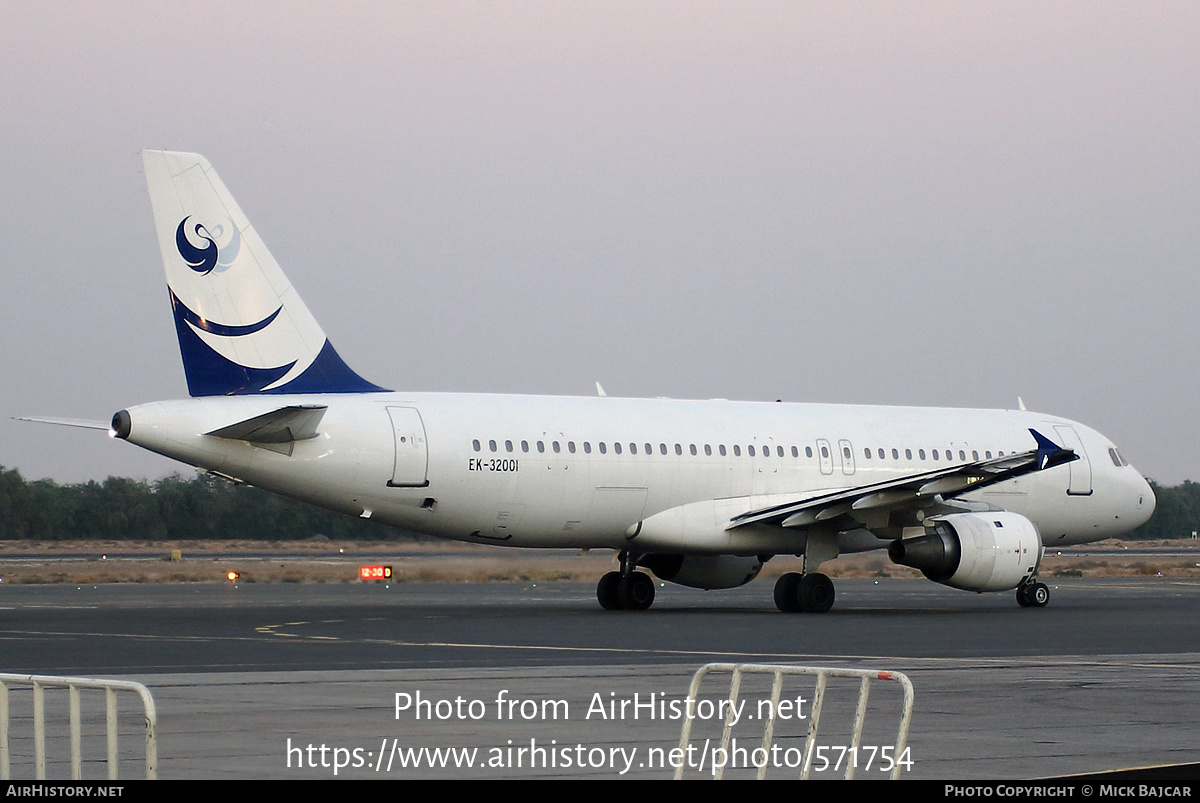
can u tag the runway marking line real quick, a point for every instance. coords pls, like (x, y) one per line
(1008, 661)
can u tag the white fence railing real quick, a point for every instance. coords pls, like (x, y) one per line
(39, 684)
(850, 752)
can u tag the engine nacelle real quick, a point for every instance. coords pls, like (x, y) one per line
(974, 551)
(703, 571)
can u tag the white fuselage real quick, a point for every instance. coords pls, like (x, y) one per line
(587, 472)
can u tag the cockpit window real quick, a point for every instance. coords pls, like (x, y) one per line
(1118, 461)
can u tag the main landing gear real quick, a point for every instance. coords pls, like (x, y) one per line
(626, 590)
(1033, 595)
(803, 593)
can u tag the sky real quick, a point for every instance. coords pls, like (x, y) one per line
(929, 203)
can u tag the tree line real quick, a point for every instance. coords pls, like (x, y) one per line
(173, 508)
(204, 506)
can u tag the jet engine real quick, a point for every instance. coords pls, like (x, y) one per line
(703, 571)
(973, 551)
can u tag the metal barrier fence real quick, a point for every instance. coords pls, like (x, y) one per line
(865, 677)
(40, 683)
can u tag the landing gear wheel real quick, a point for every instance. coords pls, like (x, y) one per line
(636, 591)
(608, 591)
(1033, 595)
(814, 593)
(785, 592)
(1040, 594)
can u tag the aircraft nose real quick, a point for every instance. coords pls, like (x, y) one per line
(1142, 498)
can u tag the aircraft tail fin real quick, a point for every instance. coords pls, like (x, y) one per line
(242, 327)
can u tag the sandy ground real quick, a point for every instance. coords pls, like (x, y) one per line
(324, 561)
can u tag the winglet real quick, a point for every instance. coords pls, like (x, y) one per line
(1050, 453)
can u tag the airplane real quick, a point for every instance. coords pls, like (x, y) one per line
(700, 493)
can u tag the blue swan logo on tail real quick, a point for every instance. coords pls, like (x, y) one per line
(204, 259)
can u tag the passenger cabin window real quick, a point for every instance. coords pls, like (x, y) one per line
(475, 443)
(492, 445)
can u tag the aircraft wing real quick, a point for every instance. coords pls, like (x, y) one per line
(914, 490)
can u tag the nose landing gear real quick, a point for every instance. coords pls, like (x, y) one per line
(1033, 595)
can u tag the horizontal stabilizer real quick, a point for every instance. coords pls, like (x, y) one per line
(65, 422)
(283, 426)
